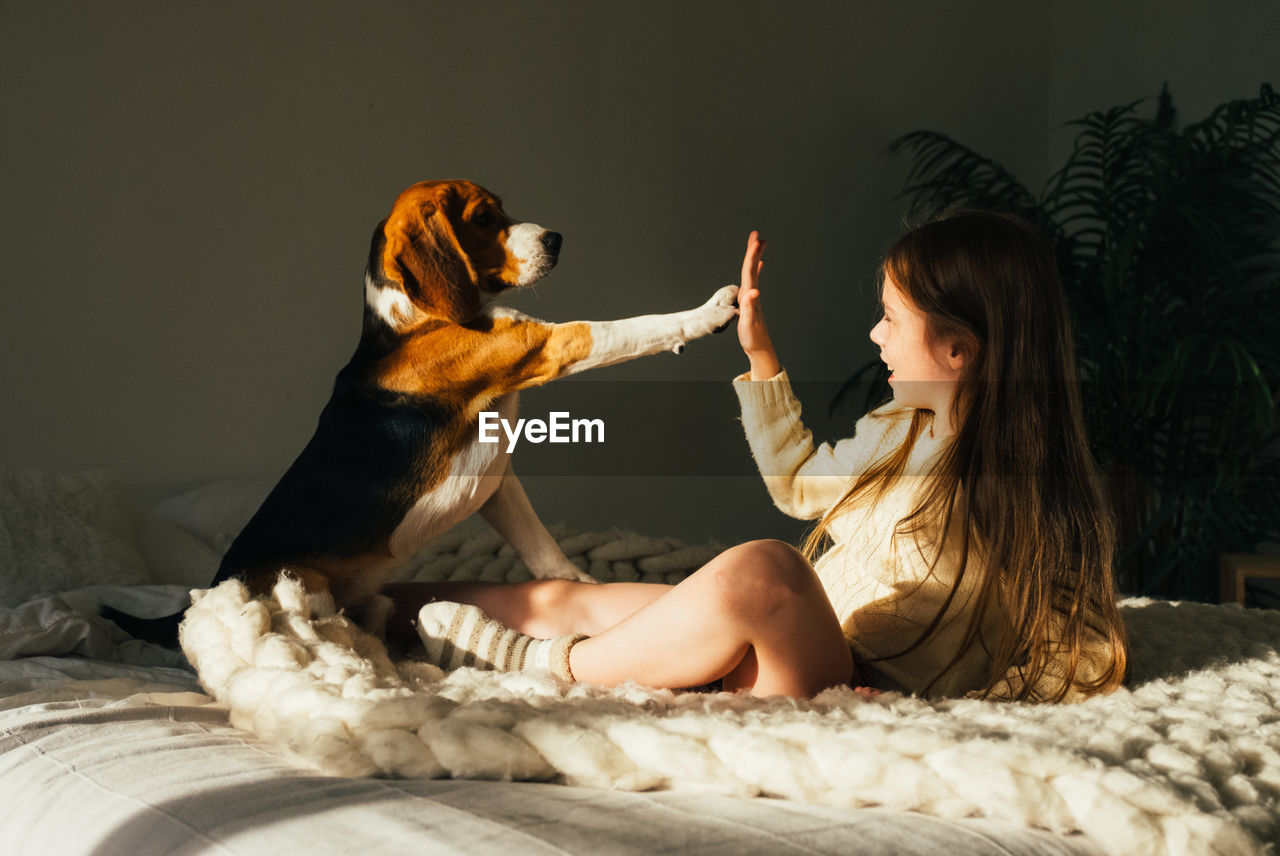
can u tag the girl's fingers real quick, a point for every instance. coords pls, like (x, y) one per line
(751, 261)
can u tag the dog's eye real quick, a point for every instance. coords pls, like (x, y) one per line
(483, 219)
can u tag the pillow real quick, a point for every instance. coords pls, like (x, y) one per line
(62, 532)
(215, 513)
(173, 555)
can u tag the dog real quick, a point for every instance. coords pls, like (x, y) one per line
(395, 458)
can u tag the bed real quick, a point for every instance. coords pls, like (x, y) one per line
(109, 745)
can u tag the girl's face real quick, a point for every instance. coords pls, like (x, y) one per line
(924, 374)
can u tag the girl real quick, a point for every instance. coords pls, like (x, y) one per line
(970, 550)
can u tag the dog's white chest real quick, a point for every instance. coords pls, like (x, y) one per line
(474, 474)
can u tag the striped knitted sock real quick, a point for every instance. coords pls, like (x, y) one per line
(459, 634)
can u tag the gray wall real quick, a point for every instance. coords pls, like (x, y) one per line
(1104, 53)
(189, 192)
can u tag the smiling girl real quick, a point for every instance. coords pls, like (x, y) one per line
(963, 546)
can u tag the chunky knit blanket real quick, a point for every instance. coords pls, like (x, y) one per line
(1184, 761)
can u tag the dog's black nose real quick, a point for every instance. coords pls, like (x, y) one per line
(551, 241)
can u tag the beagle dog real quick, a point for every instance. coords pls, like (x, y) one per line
(396, 457)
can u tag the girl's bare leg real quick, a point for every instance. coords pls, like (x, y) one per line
(756, 615)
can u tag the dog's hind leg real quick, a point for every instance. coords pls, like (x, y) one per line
(509, 511)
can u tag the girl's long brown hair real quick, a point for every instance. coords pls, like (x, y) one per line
(1016, 494)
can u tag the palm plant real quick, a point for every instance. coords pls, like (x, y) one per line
(1168, 242)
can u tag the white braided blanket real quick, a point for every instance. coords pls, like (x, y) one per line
(1187, 761)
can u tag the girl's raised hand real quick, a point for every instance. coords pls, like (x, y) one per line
(753, 335)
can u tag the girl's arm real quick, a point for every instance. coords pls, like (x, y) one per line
(803, 480)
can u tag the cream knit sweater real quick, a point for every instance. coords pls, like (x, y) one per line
(879, 583)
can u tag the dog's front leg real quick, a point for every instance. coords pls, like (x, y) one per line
(509, 511)
(618, 341)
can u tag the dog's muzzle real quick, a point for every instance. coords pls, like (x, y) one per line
(535, 250)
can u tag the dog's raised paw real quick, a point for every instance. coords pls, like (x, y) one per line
(726, 296)
(721, 309)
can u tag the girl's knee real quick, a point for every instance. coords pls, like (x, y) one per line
(764, 574)
(774, 562)
(549, 596)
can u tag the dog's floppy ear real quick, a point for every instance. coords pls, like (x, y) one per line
(422, 255)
